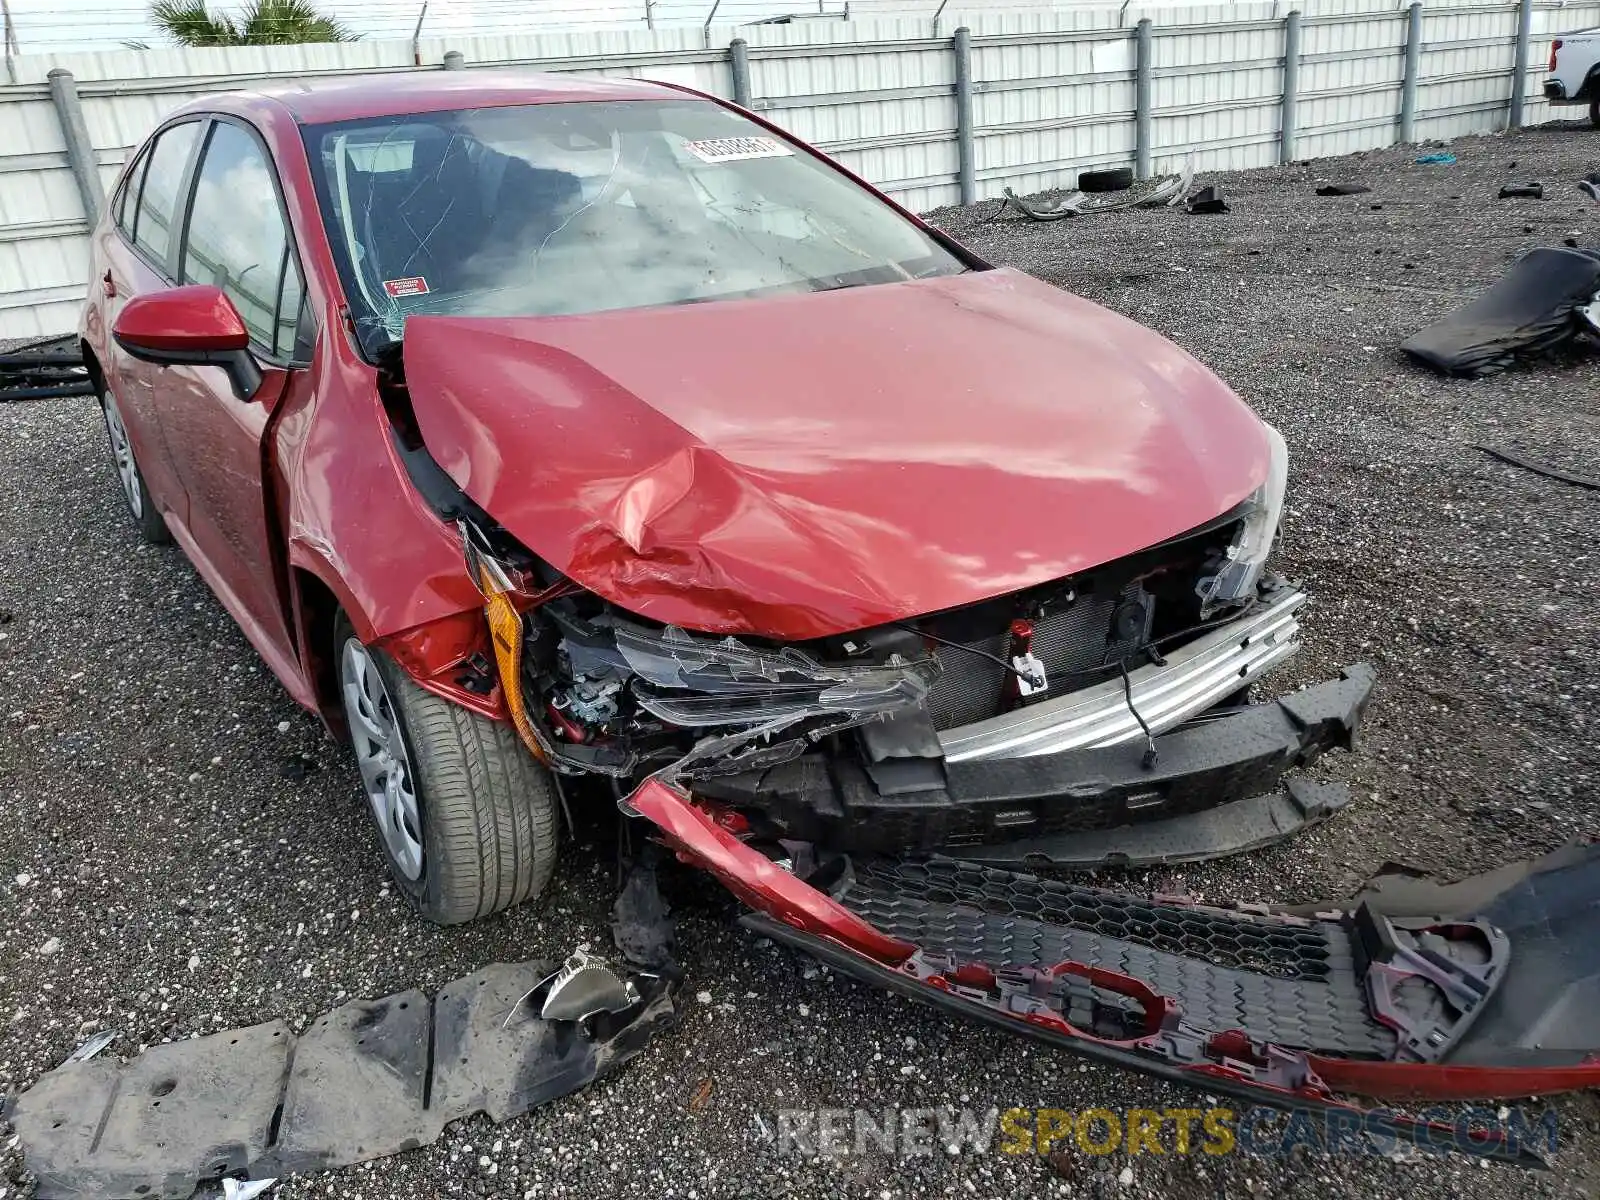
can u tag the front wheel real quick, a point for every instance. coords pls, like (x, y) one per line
(1594, 112)
(466, 817)
(143, 508)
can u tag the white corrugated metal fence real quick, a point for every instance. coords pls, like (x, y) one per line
(1053, 92)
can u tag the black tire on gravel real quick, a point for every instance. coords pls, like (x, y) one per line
(144, 512)
(489, 811)
(1113, 179)
(1594, 112)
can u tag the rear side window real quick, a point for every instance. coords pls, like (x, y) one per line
(128, 198)
(238, 239)
(154, 215)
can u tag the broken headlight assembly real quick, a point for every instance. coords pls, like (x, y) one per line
(1231, 577)
(592, 690)
(713, 702)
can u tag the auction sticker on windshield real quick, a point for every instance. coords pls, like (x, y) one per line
(735, 149)
(414, 285)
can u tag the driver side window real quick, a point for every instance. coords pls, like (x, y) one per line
(238, 240)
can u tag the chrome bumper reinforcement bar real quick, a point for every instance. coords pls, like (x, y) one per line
(1193, 678)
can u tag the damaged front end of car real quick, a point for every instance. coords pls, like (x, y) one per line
(881, 800)
(897, 787)
(1093, 720)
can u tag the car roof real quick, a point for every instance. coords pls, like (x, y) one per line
(397, 93)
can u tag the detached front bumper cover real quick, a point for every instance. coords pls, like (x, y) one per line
(1488, 994)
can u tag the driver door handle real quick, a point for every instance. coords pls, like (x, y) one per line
(107, 284)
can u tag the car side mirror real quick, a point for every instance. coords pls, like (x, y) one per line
(195, 324)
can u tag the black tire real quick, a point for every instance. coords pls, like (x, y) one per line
(129, 478)
(488, 810)
(1594, 112)
(1114, 179)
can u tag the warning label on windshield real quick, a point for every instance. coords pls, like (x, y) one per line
(735, 149)
(414, 285)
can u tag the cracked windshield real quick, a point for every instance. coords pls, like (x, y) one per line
(572, 208)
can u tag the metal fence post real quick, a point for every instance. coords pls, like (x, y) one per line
(454, 60)
(1141, 98)
(1408, 89)
(1291, 84)
(75, 133)
(739, 64)
(964, 147)
(1519, 79)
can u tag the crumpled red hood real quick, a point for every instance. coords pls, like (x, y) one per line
(803, 465)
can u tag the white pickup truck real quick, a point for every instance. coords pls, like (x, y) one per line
(1574, 73)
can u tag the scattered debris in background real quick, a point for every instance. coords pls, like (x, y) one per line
(1171, 191)
(1526, 191)
(1208, 200)
(1533, 309)
(44, 370)
(1589, 185)
(1342, 189)
(1539, 468)
(1441, 159)
(1053, 210)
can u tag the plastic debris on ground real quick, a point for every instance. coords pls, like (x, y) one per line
(1441, 159)
(368, 1079)
(1208, 200)
(245, 1189)
(45, 369)
(1342, 189)
(1539, 468)
(1169, 192)
(93, 1046)
(1536, 307)
(1525, 191)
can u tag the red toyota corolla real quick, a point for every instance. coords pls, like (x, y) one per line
(546, 435)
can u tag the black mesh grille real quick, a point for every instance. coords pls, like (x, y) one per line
(1294, 983)
(1075, 639)
(1287, 949)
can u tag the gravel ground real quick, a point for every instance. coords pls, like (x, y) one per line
(182, 850)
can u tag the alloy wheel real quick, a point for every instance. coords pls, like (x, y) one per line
(122, 453)
(381, 754)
